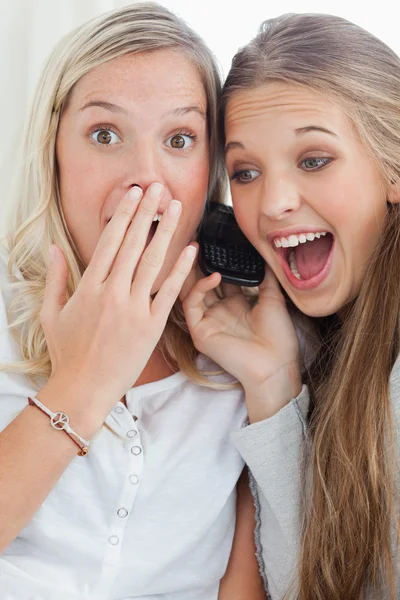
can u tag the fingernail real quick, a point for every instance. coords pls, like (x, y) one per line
(156, 190)
(135, 192)
(174, 208)
(190, 251)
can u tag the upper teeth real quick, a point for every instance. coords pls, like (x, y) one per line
(296, 239)
(157, 217)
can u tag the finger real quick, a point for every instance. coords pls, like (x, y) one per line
(192, 278)
(169, 290)
(112, 237)
(195, 303)
(55, 292)
(153, 257)
(136, 237)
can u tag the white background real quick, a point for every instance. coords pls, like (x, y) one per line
(30, 28)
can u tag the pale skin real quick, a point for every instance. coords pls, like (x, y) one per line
(295, 163)
(132, 143)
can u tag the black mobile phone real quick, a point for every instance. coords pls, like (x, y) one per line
(223, 247)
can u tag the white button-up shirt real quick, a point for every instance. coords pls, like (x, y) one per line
(148, 514)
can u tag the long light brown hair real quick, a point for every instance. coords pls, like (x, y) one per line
(350, 499)
(36, 219)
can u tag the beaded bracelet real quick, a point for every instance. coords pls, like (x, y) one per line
(59, 420)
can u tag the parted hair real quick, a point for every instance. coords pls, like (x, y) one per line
(36, 220)
(350, 502)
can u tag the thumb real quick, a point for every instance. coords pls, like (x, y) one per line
(55, 293)
(270, 287)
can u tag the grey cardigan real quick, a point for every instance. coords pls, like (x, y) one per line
(273, 449)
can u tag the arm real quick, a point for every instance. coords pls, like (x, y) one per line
(33, 456)
(274, 449)
(242, 580)
(110, 323)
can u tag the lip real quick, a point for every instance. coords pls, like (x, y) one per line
(313, 282)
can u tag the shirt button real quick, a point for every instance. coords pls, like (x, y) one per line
(113, 540)
(119, 409)
(131, 433)
(134, 479)
(122, 513)
(136, 450)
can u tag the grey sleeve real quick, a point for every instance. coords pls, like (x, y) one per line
(274, 451)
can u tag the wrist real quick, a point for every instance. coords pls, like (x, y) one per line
(265, 400)
(82, 404)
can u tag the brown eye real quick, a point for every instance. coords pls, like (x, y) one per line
(246, 175)
(105, 137)
(177, 141)
(181, 141)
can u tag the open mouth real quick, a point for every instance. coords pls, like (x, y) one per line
(306, 257)
(153, 228)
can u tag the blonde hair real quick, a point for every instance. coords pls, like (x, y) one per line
(350, 497)
(36, 218)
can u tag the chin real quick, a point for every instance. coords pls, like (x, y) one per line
(318, 308)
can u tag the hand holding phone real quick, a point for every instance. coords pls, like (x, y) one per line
(224, 248)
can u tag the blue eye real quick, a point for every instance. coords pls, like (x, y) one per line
(245, 176)
(181, 141)
(105, 137)
(313, 164)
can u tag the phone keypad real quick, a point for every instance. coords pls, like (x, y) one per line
(233, 260)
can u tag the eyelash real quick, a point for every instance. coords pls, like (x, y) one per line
(107, 127)
(185, 133)
(236, 175)
(102, 127)
(325, 161)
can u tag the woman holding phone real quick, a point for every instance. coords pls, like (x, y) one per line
(310, 114)
(117, 474)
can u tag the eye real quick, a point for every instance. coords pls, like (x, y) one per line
(313, 164)
(105, 137)
(245, 176)
(181, 141)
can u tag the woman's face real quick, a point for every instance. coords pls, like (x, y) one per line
(305, 192)
(135, 120)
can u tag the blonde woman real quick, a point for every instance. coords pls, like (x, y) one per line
(311, 116)
(117, 475)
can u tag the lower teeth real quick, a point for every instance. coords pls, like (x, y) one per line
(293, 266)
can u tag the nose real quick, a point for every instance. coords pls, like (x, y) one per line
(280, 198)
(143, 166)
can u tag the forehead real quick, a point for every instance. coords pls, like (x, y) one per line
(160, 76)
(279, 103)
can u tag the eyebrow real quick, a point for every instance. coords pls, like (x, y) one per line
(233, 146)
(115, 108)
(299, 131)
(309, 128)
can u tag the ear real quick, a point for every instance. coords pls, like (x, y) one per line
(394, 192)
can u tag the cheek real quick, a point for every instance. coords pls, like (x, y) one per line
(190, 187)
(82, 194)
(246, 217)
